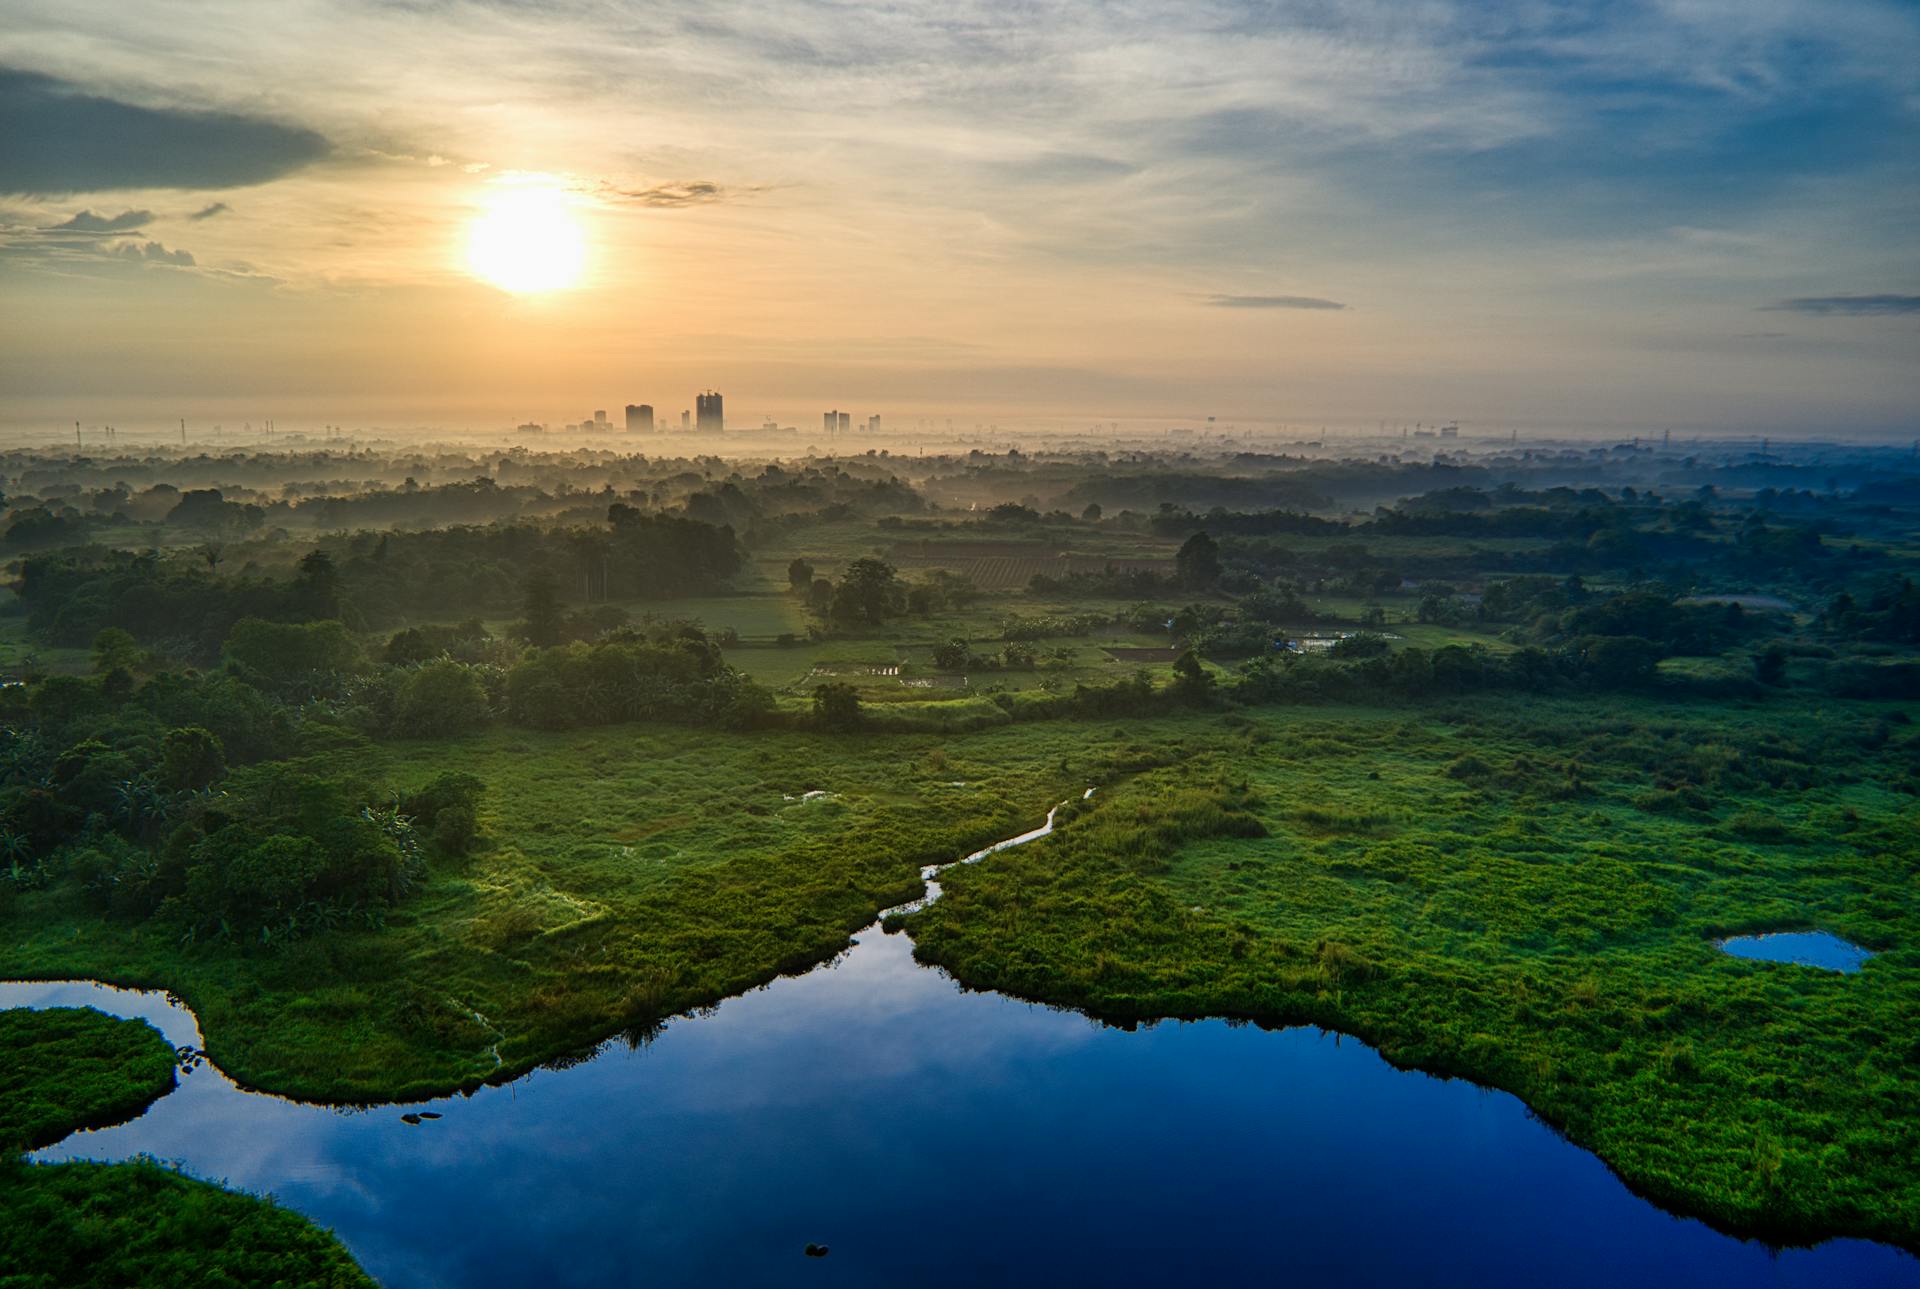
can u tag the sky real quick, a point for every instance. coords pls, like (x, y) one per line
(1702, 214)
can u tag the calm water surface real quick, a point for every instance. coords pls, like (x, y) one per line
(936, 1137)
(931, 1136)
(1807, 948)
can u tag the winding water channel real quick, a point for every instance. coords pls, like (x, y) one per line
(932, 1136)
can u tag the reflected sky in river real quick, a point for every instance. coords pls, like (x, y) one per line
(938, 1137)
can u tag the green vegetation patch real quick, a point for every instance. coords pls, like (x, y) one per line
(620, 875)
(65, 1068)
(73, 1226)
(1483, 892)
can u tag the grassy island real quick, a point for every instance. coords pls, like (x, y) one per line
(76, 1225)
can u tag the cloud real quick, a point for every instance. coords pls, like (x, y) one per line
(88, 222)
(153, 253)
(55, 138)
(670, 196)
(1064, 167)
(208, 212)
(1270, 302)
(1859, 306)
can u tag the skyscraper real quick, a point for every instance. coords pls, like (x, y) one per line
(829, 420)
(841, 421)
(684, 414)
(639, 418)
(711, 420)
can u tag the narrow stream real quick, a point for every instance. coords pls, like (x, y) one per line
(934, 1136)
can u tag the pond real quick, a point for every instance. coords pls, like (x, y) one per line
(1807, 948)
(930, 1135)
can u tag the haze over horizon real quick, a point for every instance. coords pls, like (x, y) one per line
(1699, 215)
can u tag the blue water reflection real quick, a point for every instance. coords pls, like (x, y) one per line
(1808, 948)
(936, 1137)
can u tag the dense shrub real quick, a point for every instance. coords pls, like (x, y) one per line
(440, 698)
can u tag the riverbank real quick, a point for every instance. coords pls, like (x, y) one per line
(829, 1106)
(1519, 902)
(73, 1225)
(1526, 895)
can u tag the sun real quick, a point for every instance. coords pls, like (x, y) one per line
(527, 240)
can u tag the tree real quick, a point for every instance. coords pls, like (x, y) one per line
(191, 757)
(439, 698)
(799, 576)
(543, 623)
(448, 808)
(594, 550)
(836, 705)
(820, 596)
(207, 510)
(1362, 644)
(318, 585)
(1770, 665)
(1198, 563)
(952, 656)
(114, 649)
(1192, 682)
(293, 658)
(1092, 513)
(1618, 662)
(869, 592)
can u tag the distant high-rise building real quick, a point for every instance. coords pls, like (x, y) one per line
(639, 418)
(599, 416)
(685, 419)
(711, 419)
(873, 424)
(830, 420)
(842, 420)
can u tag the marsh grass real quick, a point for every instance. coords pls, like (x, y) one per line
(1557, 945)
(627, 874)
(81, 1224)
(140, 1223)
(1532, 924)
(64, 1068)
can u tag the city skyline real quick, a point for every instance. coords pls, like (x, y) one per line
(1692, 215)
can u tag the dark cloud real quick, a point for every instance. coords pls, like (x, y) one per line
(208, 212)
(1270, 302)
(1849, 305)
(88, 222)
(55, 138)
(686, 192)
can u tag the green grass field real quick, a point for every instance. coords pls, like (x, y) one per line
(1444, 886)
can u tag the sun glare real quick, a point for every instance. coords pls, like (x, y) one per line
(527, 240)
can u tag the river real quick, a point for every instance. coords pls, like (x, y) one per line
(933, 1136)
